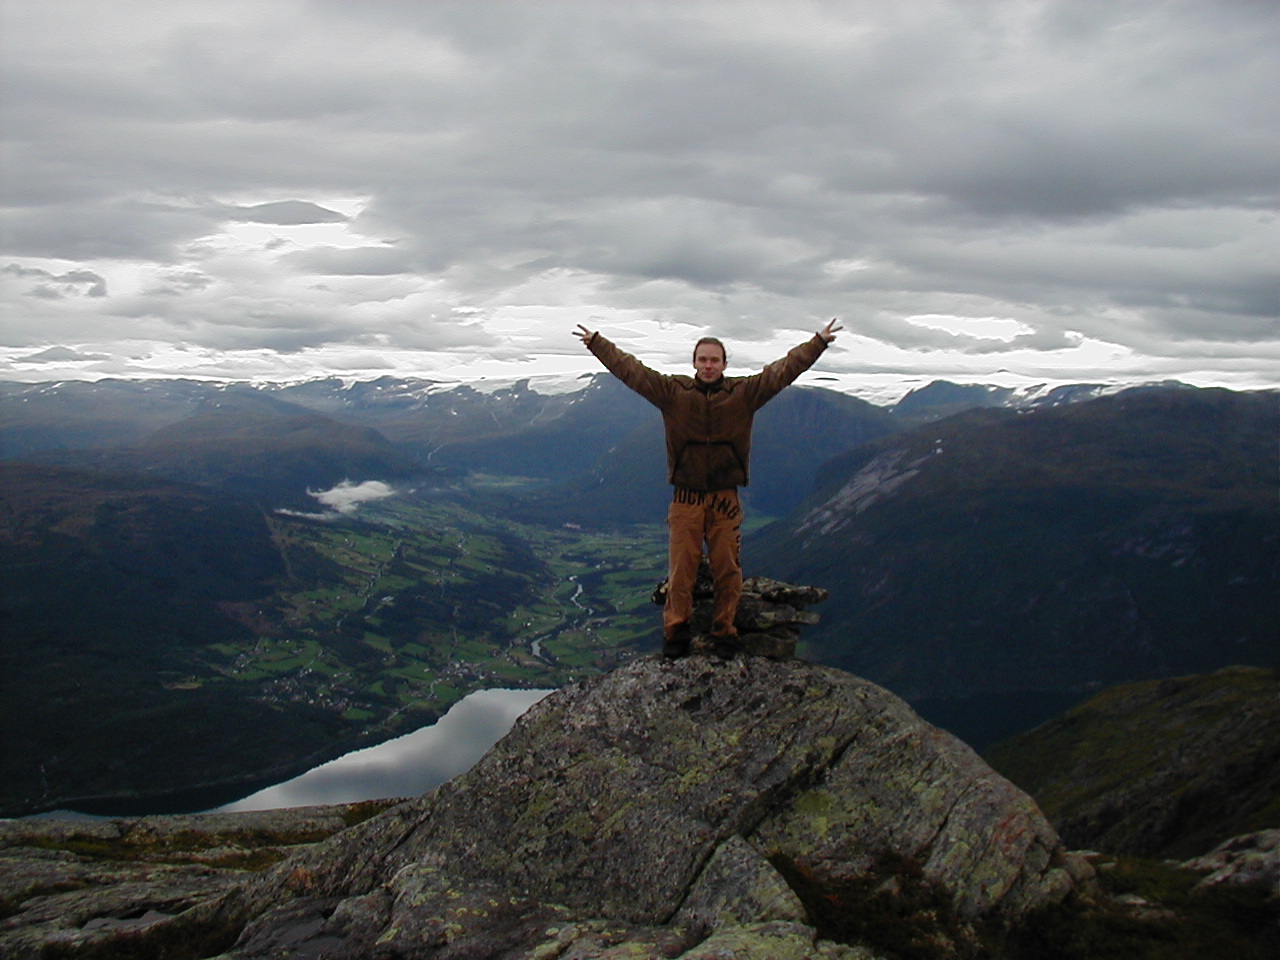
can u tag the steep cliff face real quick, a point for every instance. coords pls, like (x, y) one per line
(668, 805)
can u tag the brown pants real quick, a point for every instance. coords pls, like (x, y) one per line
(693, 518)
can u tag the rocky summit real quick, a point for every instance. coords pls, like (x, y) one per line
(695, 808)
(674, 809)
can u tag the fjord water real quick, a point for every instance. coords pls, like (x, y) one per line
(406, 766)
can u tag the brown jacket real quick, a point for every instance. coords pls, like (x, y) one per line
(708, 425)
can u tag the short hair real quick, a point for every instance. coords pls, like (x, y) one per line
(723, 352)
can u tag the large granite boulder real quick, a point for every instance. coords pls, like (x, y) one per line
(690, 808)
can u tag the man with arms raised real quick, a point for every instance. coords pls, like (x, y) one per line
(707, 418)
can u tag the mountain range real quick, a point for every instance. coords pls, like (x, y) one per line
(992, 556)
(548, 429)
(275, 440)
(1129, 537)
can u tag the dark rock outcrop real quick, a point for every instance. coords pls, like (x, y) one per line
(662, 809)
(770, 613)
(1250, 859)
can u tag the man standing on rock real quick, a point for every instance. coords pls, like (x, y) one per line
(707, 418)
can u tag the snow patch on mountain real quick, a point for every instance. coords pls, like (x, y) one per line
(550, 385)
(880, 478)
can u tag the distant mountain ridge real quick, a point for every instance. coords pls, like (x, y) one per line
(588, 432)
(80, 414)
(420, 414)
(592, 435)
(251, 443)
(942, 398)
(1133, 536)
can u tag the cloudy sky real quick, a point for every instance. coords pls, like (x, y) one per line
(982, 190)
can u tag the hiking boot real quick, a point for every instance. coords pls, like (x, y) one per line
(677, 645)
(725, 647)
(674, 649)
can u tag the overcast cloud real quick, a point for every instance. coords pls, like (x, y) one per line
(981, 191)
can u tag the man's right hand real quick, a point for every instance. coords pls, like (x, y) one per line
(583, 334)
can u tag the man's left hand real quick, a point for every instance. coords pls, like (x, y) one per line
(828, 333)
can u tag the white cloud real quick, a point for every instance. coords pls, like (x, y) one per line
(347, 496)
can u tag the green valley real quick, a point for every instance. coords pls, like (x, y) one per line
(313, 635)
(423, 599)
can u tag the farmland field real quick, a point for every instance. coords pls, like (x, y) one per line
(399, 612)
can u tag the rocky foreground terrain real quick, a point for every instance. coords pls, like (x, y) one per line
(665, 808)
(89, 887)
(759, 807)
(696, 809)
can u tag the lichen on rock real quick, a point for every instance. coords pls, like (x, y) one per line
(671, 804)
(696, 808)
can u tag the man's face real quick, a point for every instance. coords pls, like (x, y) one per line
(708, 362)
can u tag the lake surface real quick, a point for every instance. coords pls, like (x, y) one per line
(406, 766)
